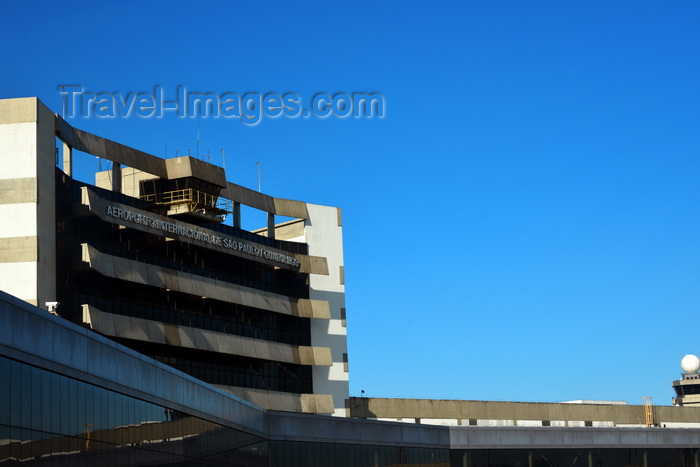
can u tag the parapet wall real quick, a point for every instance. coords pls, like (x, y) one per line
(497, 413)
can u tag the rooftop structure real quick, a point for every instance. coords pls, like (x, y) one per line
(688, 387)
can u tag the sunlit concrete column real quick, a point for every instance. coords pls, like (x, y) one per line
(67, 159)
(324, 235)
(27, 200)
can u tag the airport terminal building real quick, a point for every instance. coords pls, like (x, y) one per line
(138, 328)
(143, 257)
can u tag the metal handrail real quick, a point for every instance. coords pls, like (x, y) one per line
(190, 196)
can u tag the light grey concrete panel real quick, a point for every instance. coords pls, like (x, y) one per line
(19, 110)
(258, 301)
(209, 287)
(212, 340)
(263, 301)
(122, 326)
(278, 303)
(262, 398)
(138, 272)
(186, 283)
(97, 146)
(155, 276)
(172, 334)
(156, 332)
(220, 291)
(198, 284)
(106, 264)
(18, 249)
(200, 341)
(289, 403)
(138, 329)
(596, 437)
(275, 352)
(106, 324)
(284, 305)
(634, 438)
(224, 342)
(186, 337)
(247, 297)
(122, 268)
(170, 279)
(262, 350)
(237, 347)
(235, 295)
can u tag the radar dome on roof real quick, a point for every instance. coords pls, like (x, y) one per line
(690, 364)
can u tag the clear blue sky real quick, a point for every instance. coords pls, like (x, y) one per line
(522, 224)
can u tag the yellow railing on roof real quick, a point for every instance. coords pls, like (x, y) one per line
(194, 198)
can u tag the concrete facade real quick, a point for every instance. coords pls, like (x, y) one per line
(324, 234)
(523, 414)
(27, 207)
(29, 136)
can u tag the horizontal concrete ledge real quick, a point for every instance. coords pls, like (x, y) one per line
(263, 202)
(18, 190)
(20, 110)
(110, 150)
(284, 401)
(617, 414)
(567, 438)
(164, 278)
(19, 249)
(126, 327)
(292, 427)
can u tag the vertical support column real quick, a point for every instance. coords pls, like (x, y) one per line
(324, 235)
(237, 214)
(116, 177)
(67, 159)
(28, 211)
(270, 225)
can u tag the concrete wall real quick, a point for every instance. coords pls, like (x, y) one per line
(27, 207)
(323, 232)
(497, 413)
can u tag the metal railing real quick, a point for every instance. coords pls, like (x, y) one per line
(194, 198)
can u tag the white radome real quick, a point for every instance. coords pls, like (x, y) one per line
(690, 364)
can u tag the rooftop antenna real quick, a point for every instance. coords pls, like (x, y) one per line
(63, 110)
(177, 151)
(208, 155)
(197, 153)
(223, 159)
(189, 150)
(258, 176)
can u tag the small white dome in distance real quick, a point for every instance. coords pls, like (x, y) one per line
(690, 364)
